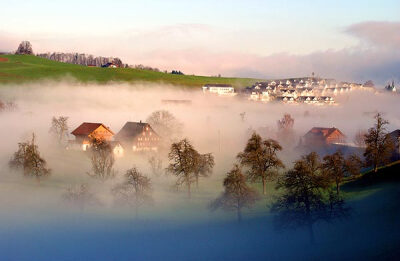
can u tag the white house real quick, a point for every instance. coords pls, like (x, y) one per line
(220, 89)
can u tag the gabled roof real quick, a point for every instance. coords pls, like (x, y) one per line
(88, 127)
(323, 132)
(395, 134)
(132, 129)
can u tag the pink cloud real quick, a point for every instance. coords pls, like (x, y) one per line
(381, 34)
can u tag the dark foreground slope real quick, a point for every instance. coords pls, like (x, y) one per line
(28, 68)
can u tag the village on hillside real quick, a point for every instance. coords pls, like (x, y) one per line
(306, 90)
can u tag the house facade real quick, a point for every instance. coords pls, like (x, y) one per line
(88, 131)
(318, 136)
(220, 89)
(138, 136)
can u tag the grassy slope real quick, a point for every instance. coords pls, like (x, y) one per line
(26, 68)
(370, 183)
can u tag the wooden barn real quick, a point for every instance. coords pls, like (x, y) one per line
(139, 136)
(88, 130)
(318, 136)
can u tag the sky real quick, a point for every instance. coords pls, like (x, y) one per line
(233, 38)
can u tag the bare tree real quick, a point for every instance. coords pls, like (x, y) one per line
(204, 166)
(155, 165)
(243, 116)
(334, 167)
(135, 191)
(165, 124)
(353, 164)
(59, 128)
(102, 159)
(359, 138)
(29, 160)
(237, 194)
(183, 164)
(379, 145)
(304, 200)
(80, 196)
(285, 129)
(260, 156)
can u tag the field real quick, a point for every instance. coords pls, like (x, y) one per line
(27, 69)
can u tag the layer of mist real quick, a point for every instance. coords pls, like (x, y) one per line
(173, 227)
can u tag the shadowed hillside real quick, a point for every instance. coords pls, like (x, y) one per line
(387, 174)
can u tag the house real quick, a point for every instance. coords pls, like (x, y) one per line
(88, 130)
(322, 136)
(395, 136)
(255, 96)
(117, 148)
(220, 89)
(139, 136)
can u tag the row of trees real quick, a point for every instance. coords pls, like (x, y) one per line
(308, 195)
(311, 189)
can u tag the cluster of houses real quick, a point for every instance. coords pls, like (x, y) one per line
(133, 136)
(309, 90)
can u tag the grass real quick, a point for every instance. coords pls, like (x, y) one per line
(28, 68)
(371, 182)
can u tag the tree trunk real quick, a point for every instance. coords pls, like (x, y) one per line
(189, 192)
(337, 188)
(311, 233)
(264, 186)
(239, 215)
(197, 182)
(376, 168)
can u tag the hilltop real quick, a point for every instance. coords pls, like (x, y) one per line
(29, 68)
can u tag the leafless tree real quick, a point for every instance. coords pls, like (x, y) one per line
(80, 196)
(304, 201)
(335, 168)
(59, 128)
(243, 116)
(285, 129)
(135, 191)
(379, 145)
(102, 159)
(359, 138)
(29, 160)
(260, 156)
(183, 158)
(165, 124)
(155, 165)
(237, 194)
(204, 166)
(353, 164)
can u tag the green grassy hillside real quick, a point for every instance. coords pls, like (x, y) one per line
(387, 174)
(27, 68)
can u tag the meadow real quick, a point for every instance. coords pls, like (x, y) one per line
(28, 69)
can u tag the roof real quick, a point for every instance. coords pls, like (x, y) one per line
(88, 127)
(324, 132)
(395, 134)
(132, 129)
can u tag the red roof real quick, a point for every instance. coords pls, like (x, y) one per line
(325, 132)
(88, 127)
